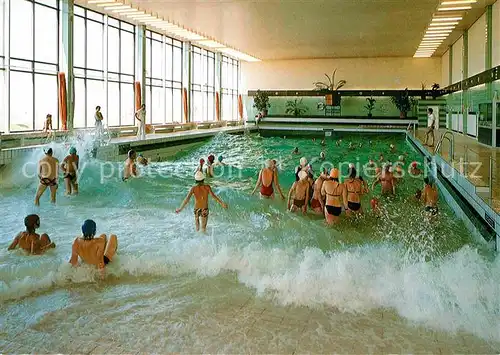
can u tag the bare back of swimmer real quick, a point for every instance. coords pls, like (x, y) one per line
(353, 191)
(334, 192)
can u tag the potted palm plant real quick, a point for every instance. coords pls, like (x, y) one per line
(403, 102)
(261, 102)
(332, 98)
(295, 108)
(370, 106)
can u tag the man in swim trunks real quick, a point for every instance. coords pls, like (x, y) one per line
(70, 168)
(47, 174)
(334, 193)
(201, 191)
(267, 178)
(300, 193)
(130, 169)
(386, 179)
(94, 251)
(430, 197)
(30, 241)
(317, 202)
(354, 189)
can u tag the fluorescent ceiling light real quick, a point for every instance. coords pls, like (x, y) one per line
(126, 11)
(98, 1)
(141, 17)
(135, 14)
(456, 8)
(111, 4)
(153, 20)
(433, 28)
(122, 7)
(438, 31)
(444, 24)
(458, 2)
(446, 19)
(433, 35)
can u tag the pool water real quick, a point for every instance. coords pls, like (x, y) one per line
(261, 280)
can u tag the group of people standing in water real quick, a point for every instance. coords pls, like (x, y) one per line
(326, 195)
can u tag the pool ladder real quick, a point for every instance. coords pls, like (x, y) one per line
(446, 135)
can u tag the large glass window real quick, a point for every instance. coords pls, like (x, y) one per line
(202, 85)
(88, 66)
(229, 86)
(163, 78)
(34, 51)
(121, 71)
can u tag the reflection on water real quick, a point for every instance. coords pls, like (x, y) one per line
(435, 276)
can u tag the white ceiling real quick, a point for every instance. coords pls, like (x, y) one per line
(291, 29)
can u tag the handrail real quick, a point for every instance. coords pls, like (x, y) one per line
(452, 143)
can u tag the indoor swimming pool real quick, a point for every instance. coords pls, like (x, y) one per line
(263, 280)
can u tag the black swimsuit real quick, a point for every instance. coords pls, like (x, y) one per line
(354, 206)
(334, 210)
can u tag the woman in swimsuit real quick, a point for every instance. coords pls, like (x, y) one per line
(300, 192)
(30, 241)
(268, 177)
(354, 190)
(334, 192)
(317, 202)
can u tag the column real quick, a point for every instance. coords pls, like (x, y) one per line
(186, 78)
(4, 11)
(465, 75)
(450, 65)
(489, 46)
(67, 57)
(140, 62)
(218, 81)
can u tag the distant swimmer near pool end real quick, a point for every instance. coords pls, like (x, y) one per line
(29, 240)
(94, 251)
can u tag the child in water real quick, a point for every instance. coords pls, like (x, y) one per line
(201, 191)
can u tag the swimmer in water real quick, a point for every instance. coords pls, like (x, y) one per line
(381, 158)
(29, 240)
(333, 191)
(354, 189)
(142, 160)
(401, 159)
(303, 164)
(47, 175)
(430, 197)
(295, 151)
(317, 202)
(70, 168)
(392, 148)
(323, 143)
(300, 193)
(219, 161)
(386, 179)
(375, 204)
(267, 180)
(398, 174)
(210, 166)
(338, 143)
(200, 167)
(276, 178)
(130, 169)
(352, 146)
(201, 191)
(414, 170)
(322, 156)
(93, 251)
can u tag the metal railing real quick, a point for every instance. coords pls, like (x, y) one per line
(451, 141)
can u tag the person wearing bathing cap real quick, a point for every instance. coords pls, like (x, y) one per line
(201, 191)
(317, 201)
(398, 174)
(414, 170)
(268, 178)
(130, 169)
(386, 180)
(303, 162)
(209, 171)
(219, 162)
(334, 192)
(201, 165)
(322, 156)
(48, 168)
(392, 148)
(430, 197)
(295, 151)
(93, 251)
(381, 157)
(29, 240)
(354, 189)
(298, 196)
(401, 159)
(70, 168)
(142, 160)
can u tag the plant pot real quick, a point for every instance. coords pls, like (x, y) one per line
(370, 115)
(402, 114)
(336, 99)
